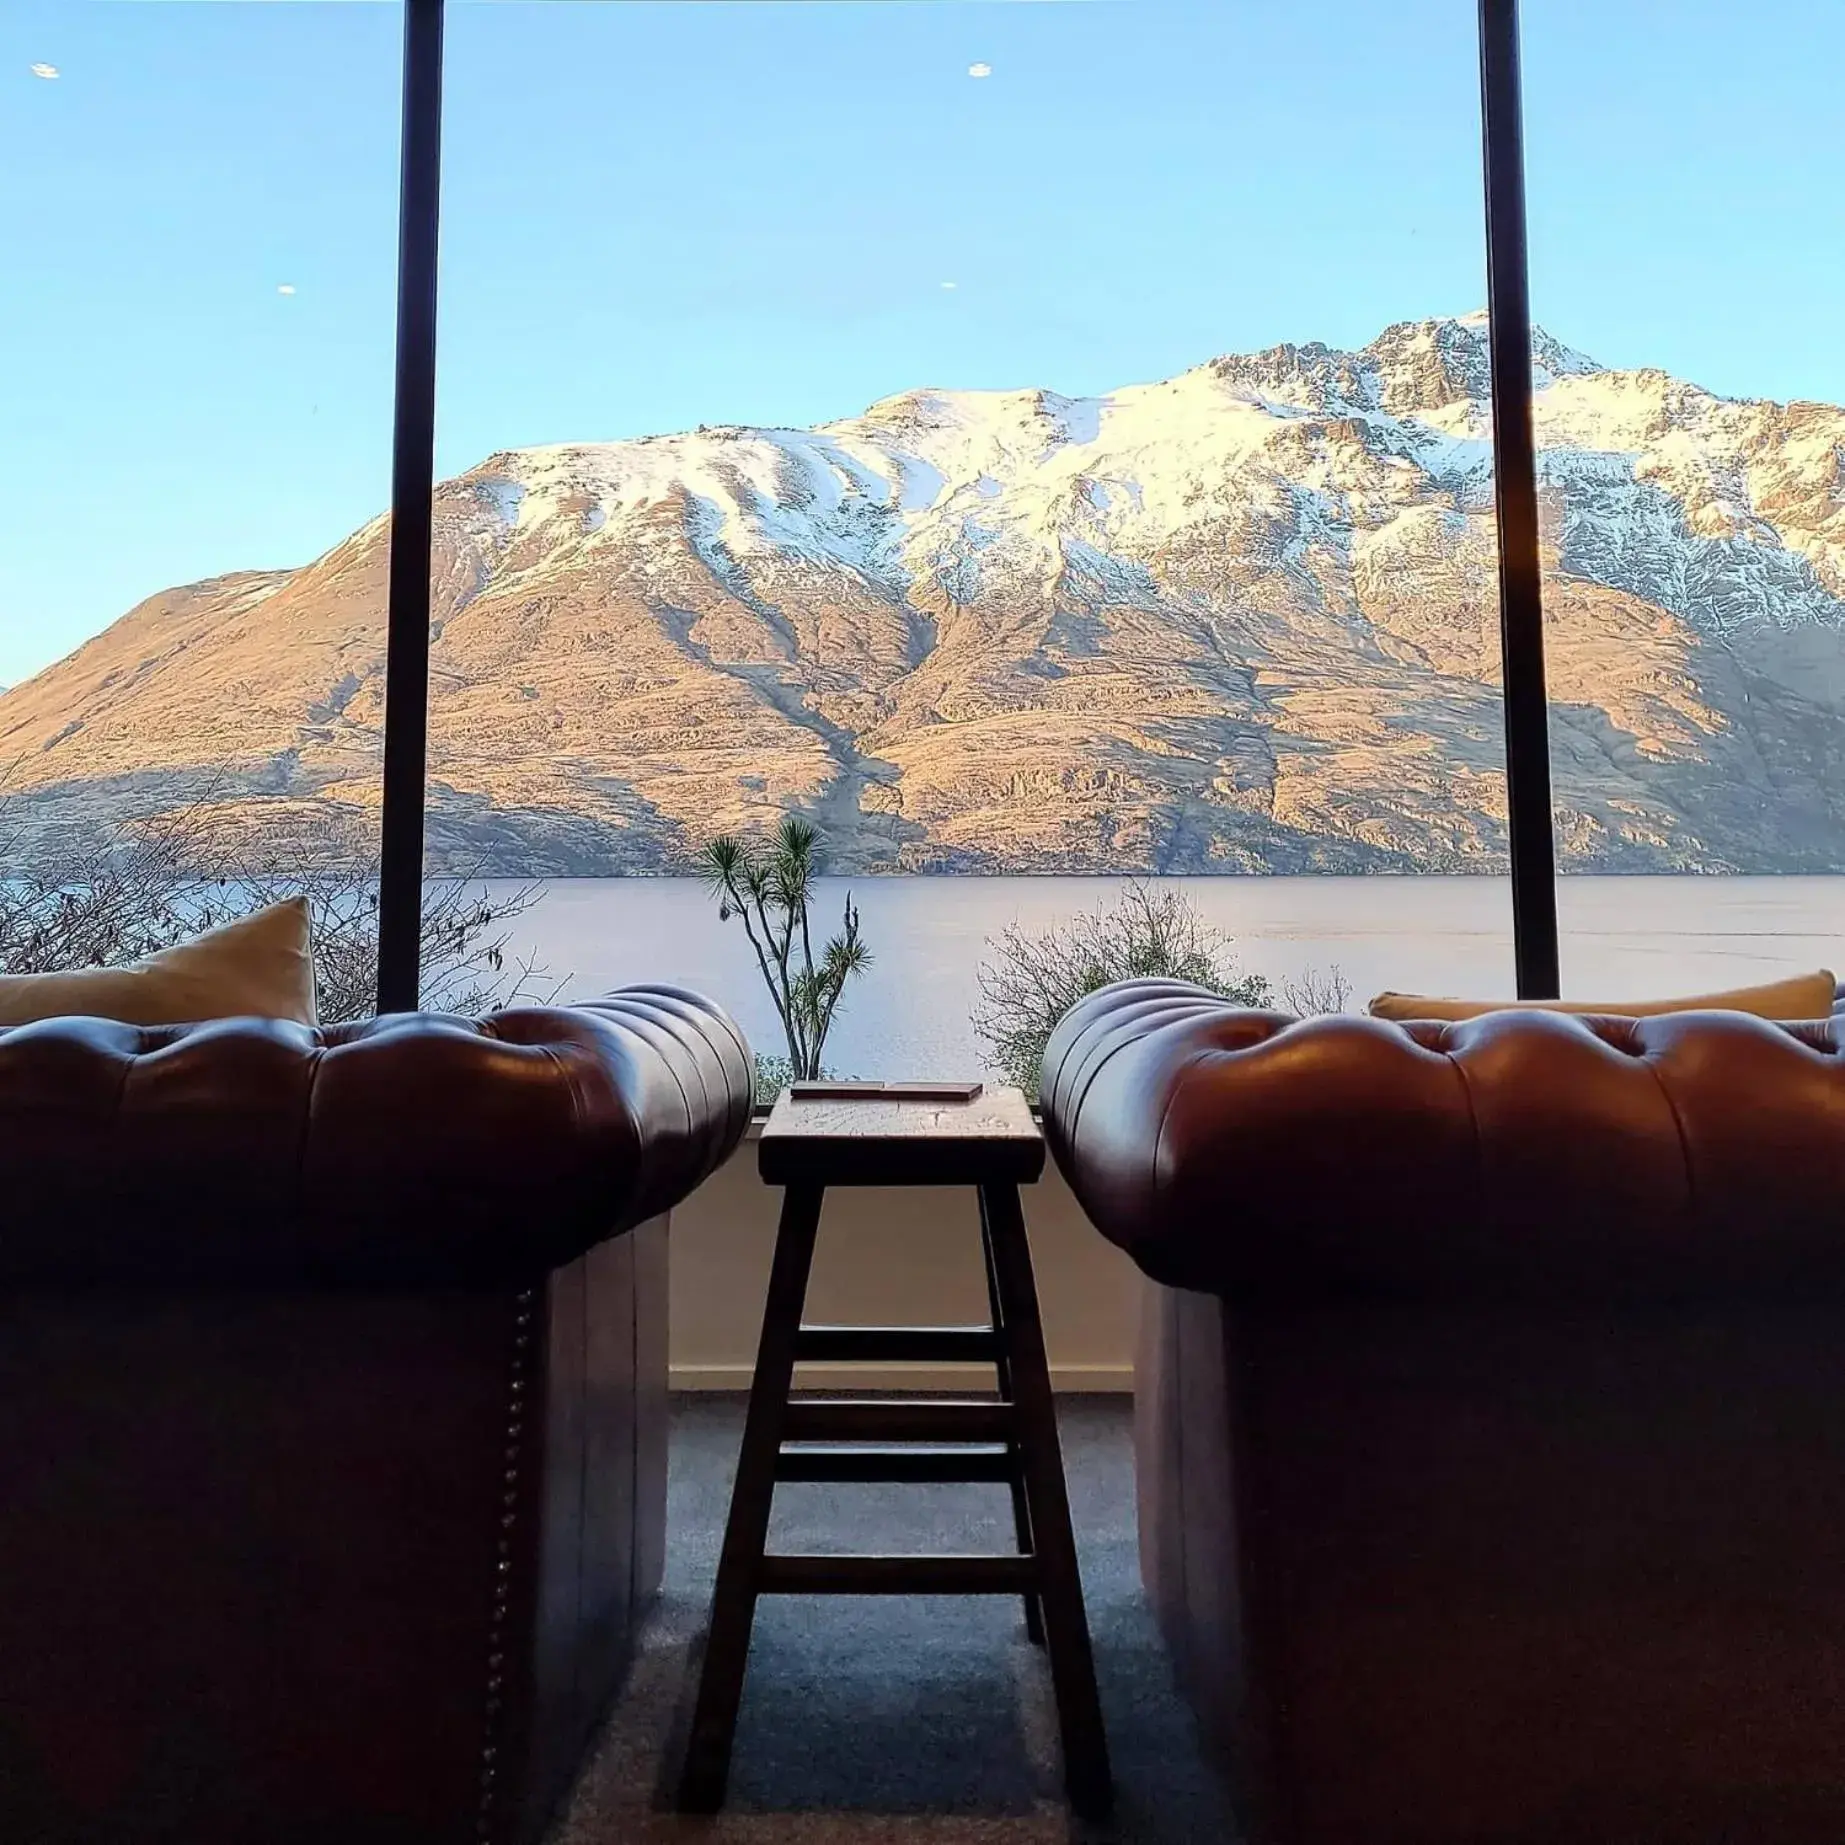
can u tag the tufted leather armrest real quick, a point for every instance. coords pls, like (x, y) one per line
(1518, 1154)
(411, 1149)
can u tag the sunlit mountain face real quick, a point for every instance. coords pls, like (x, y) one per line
(1244, 619)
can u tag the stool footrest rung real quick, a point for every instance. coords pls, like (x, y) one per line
(847, 1575)
(911, 1345)
(930, 1419)
(875, 1464)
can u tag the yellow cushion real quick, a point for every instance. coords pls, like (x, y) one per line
(1804, 996)
(257, 967)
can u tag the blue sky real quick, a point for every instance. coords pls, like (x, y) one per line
(663, 214)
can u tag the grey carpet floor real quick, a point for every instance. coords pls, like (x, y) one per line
(891, 1719)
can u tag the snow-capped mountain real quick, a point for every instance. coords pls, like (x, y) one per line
(1241, 619)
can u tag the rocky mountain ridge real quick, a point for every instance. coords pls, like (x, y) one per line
(1243, 619)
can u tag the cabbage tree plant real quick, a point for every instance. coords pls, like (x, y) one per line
(767, 884)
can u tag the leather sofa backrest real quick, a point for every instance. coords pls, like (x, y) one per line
(414, 1149)
(1519, 1155)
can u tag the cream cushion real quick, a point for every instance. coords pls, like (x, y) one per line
(1804, 996)
(260, 966)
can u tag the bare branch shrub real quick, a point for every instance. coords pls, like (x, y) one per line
(96, 898)
(1031, 981)
(1313, 991)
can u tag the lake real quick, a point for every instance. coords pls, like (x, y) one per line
(908, 1016)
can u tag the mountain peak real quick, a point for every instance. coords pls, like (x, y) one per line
(1473, 328)
(1435, 362)
(1412, 367)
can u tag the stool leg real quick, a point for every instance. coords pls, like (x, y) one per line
(1021, 1507)
(1079, 1711)
(733, 1603)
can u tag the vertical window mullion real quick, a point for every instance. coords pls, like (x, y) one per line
(406, 722)
(1521, 609)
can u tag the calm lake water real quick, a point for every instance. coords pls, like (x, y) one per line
(908, 1017)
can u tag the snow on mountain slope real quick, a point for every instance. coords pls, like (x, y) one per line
(1244, 618)
(1656, 473)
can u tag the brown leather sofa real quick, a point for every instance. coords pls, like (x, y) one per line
(1491, 1420)
(332, 1411)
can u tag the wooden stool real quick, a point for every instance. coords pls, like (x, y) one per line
(993, 1145)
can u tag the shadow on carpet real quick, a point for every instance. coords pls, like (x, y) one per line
(867, 1718)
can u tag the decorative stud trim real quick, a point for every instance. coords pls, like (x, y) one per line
(493, 1702)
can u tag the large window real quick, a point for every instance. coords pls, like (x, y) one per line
(1688, 265)
(199, 208)
(1036, 445)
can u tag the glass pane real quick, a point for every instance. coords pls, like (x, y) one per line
(1035, 445)
(1688, 243)
(199, 205)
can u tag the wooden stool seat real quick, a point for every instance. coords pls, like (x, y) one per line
(991, 1144)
